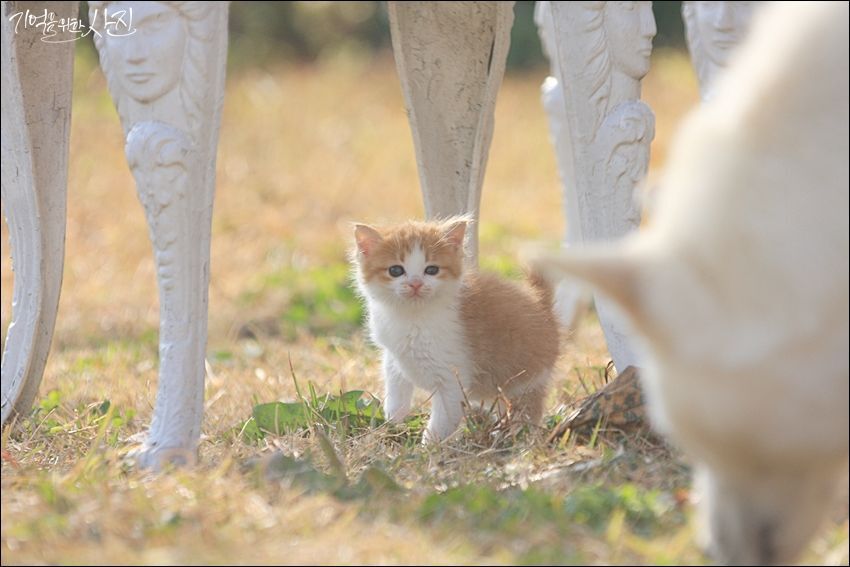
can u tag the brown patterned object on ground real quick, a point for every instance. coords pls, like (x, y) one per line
(619, 406)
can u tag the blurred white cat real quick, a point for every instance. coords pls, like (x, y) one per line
(739, 287)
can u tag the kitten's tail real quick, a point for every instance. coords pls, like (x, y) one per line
(543, 288)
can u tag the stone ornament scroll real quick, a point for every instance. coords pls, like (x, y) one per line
(167, 81)
(602, 51)
(451, 58)
(36, 118)
(714, 30)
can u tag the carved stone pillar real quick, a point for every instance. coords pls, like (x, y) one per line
(167, 80)
(451, 58)
(602, 51)
(36, 116)
(713, 30)
(569, 295)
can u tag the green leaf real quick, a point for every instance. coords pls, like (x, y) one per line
(281, 417)
(250, 432)
(352, 404)
(349, 410)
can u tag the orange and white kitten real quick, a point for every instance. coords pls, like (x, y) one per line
(457, 335)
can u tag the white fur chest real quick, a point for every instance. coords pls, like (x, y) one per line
(429, 347)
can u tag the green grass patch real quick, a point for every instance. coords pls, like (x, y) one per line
(319, 300)
(646, 512)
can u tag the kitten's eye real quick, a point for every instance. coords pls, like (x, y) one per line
(432, 270)
(396, 271)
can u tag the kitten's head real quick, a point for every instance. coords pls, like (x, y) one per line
(414, 264)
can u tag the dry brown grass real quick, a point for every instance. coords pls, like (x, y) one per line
(303, 152)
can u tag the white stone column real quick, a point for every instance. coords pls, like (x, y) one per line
(451, 58)
(36, 118)
(167, 80)
(570, 294)
(602, 51)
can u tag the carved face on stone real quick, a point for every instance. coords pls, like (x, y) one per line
(149, 61)
(721, 26)
(629, 29)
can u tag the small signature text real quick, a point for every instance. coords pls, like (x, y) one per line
(114, 23)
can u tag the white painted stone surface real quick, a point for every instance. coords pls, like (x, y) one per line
(451, 58)
(600, 52)
(36, 117)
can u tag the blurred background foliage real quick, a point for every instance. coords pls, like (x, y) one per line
(269, 33)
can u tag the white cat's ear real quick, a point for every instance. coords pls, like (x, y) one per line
(455, 231)
(367, 238)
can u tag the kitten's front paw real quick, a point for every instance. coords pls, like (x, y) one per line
(436, 435)
(446, 415)
(396, 412)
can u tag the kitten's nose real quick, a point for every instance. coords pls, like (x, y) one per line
(415, 285)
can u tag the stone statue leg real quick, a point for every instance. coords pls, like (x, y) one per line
(602, 52)
(451, 58)
(570, 295)
(36, 117)
(168, 83)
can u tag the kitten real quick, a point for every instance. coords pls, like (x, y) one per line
(457, 335)
(740, 287)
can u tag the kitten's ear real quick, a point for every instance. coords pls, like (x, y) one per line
(367, 238)
(455, 231)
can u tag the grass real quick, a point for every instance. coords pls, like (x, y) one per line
(304, 151)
